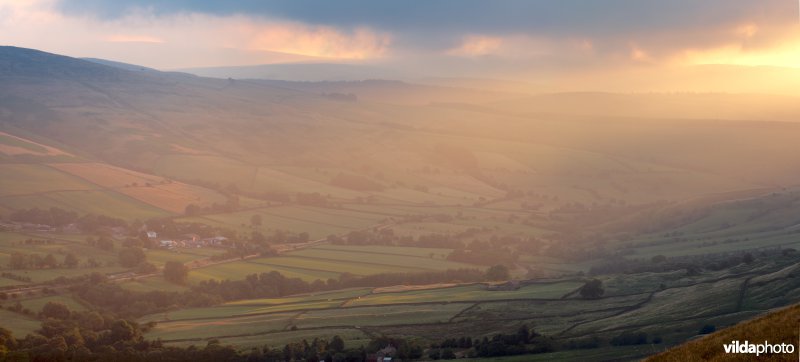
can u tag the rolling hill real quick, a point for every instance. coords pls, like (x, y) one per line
(776, 327)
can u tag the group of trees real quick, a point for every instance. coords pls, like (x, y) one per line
(131, 256)
(102, 242)
(660, 263)
(279, 237)
(524, 341)
(592, 289)
(231, 204)
(57, 217)
(74, 335)
(90, 336)
(176, 272)
(37, 261)
(53, 216)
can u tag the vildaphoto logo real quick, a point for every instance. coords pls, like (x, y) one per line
(758, 348)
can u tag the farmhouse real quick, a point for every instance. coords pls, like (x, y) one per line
(152, 234)
(384, 355)
(169, 244)
(216, 241)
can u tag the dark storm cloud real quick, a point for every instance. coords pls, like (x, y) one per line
(450, 17)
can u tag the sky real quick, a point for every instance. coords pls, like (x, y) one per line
(509, 39)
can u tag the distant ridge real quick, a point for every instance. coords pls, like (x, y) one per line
(304, 72)
(23, 62)
(120, 65)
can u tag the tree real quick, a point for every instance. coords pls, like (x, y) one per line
(121, 330)
(49, 261)
(748, 258)
(56, 310)
(448, 353)
(176, 272)
(191, 210)
(255, 220)
(592, 289)
(131, 257)
(658, 259)
(337, 344)
(498, 272)
(105, 243)
(70, 260)
(524, 334)
(146, 268)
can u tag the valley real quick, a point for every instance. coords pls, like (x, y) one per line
(246, 213)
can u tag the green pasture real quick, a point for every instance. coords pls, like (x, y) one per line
(241, 269)
(18, 324)
(99, 202)
(386, 250)
(36, 304)
(358, 257)
(379, 315)
(26, 179)
(151, 284)
(468, 293)
(234, 326)
(340, 295)
(352, 337)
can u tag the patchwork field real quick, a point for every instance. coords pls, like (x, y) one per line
(473, 293)
(153, 190)
(316, 221)
(674, 312)
(329, 261)
(28, 179)
(13, 145)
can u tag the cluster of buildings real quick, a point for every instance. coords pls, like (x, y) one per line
(189, 241)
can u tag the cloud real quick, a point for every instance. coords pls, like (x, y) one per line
(319, 41)
(127, 38)
(476, 38)
(557, 18)
(476, 45)
(182, 39)
(367, 29)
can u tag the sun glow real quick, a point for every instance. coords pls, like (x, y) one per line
(749, 50)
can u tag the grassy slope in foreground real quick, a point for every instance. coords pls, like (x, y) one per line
(777, 327)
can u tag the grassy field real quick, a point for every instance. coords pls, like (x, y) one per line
(36, 304)
(12, 242)
(317, 222)
(239, 270)
(422, 259)
(232, 326)
(20, 325)
(150, 189)
(88, 202)
(329, 261)
(352, 337)
(26, 179)
(152, 284)
(44, 275)
(263, 306)
(472, 293)
(674, 313)
(378, 316)
(206, 168)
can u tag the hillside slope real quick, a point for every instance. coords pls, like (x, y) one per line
(266, 138)
(776, 327)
